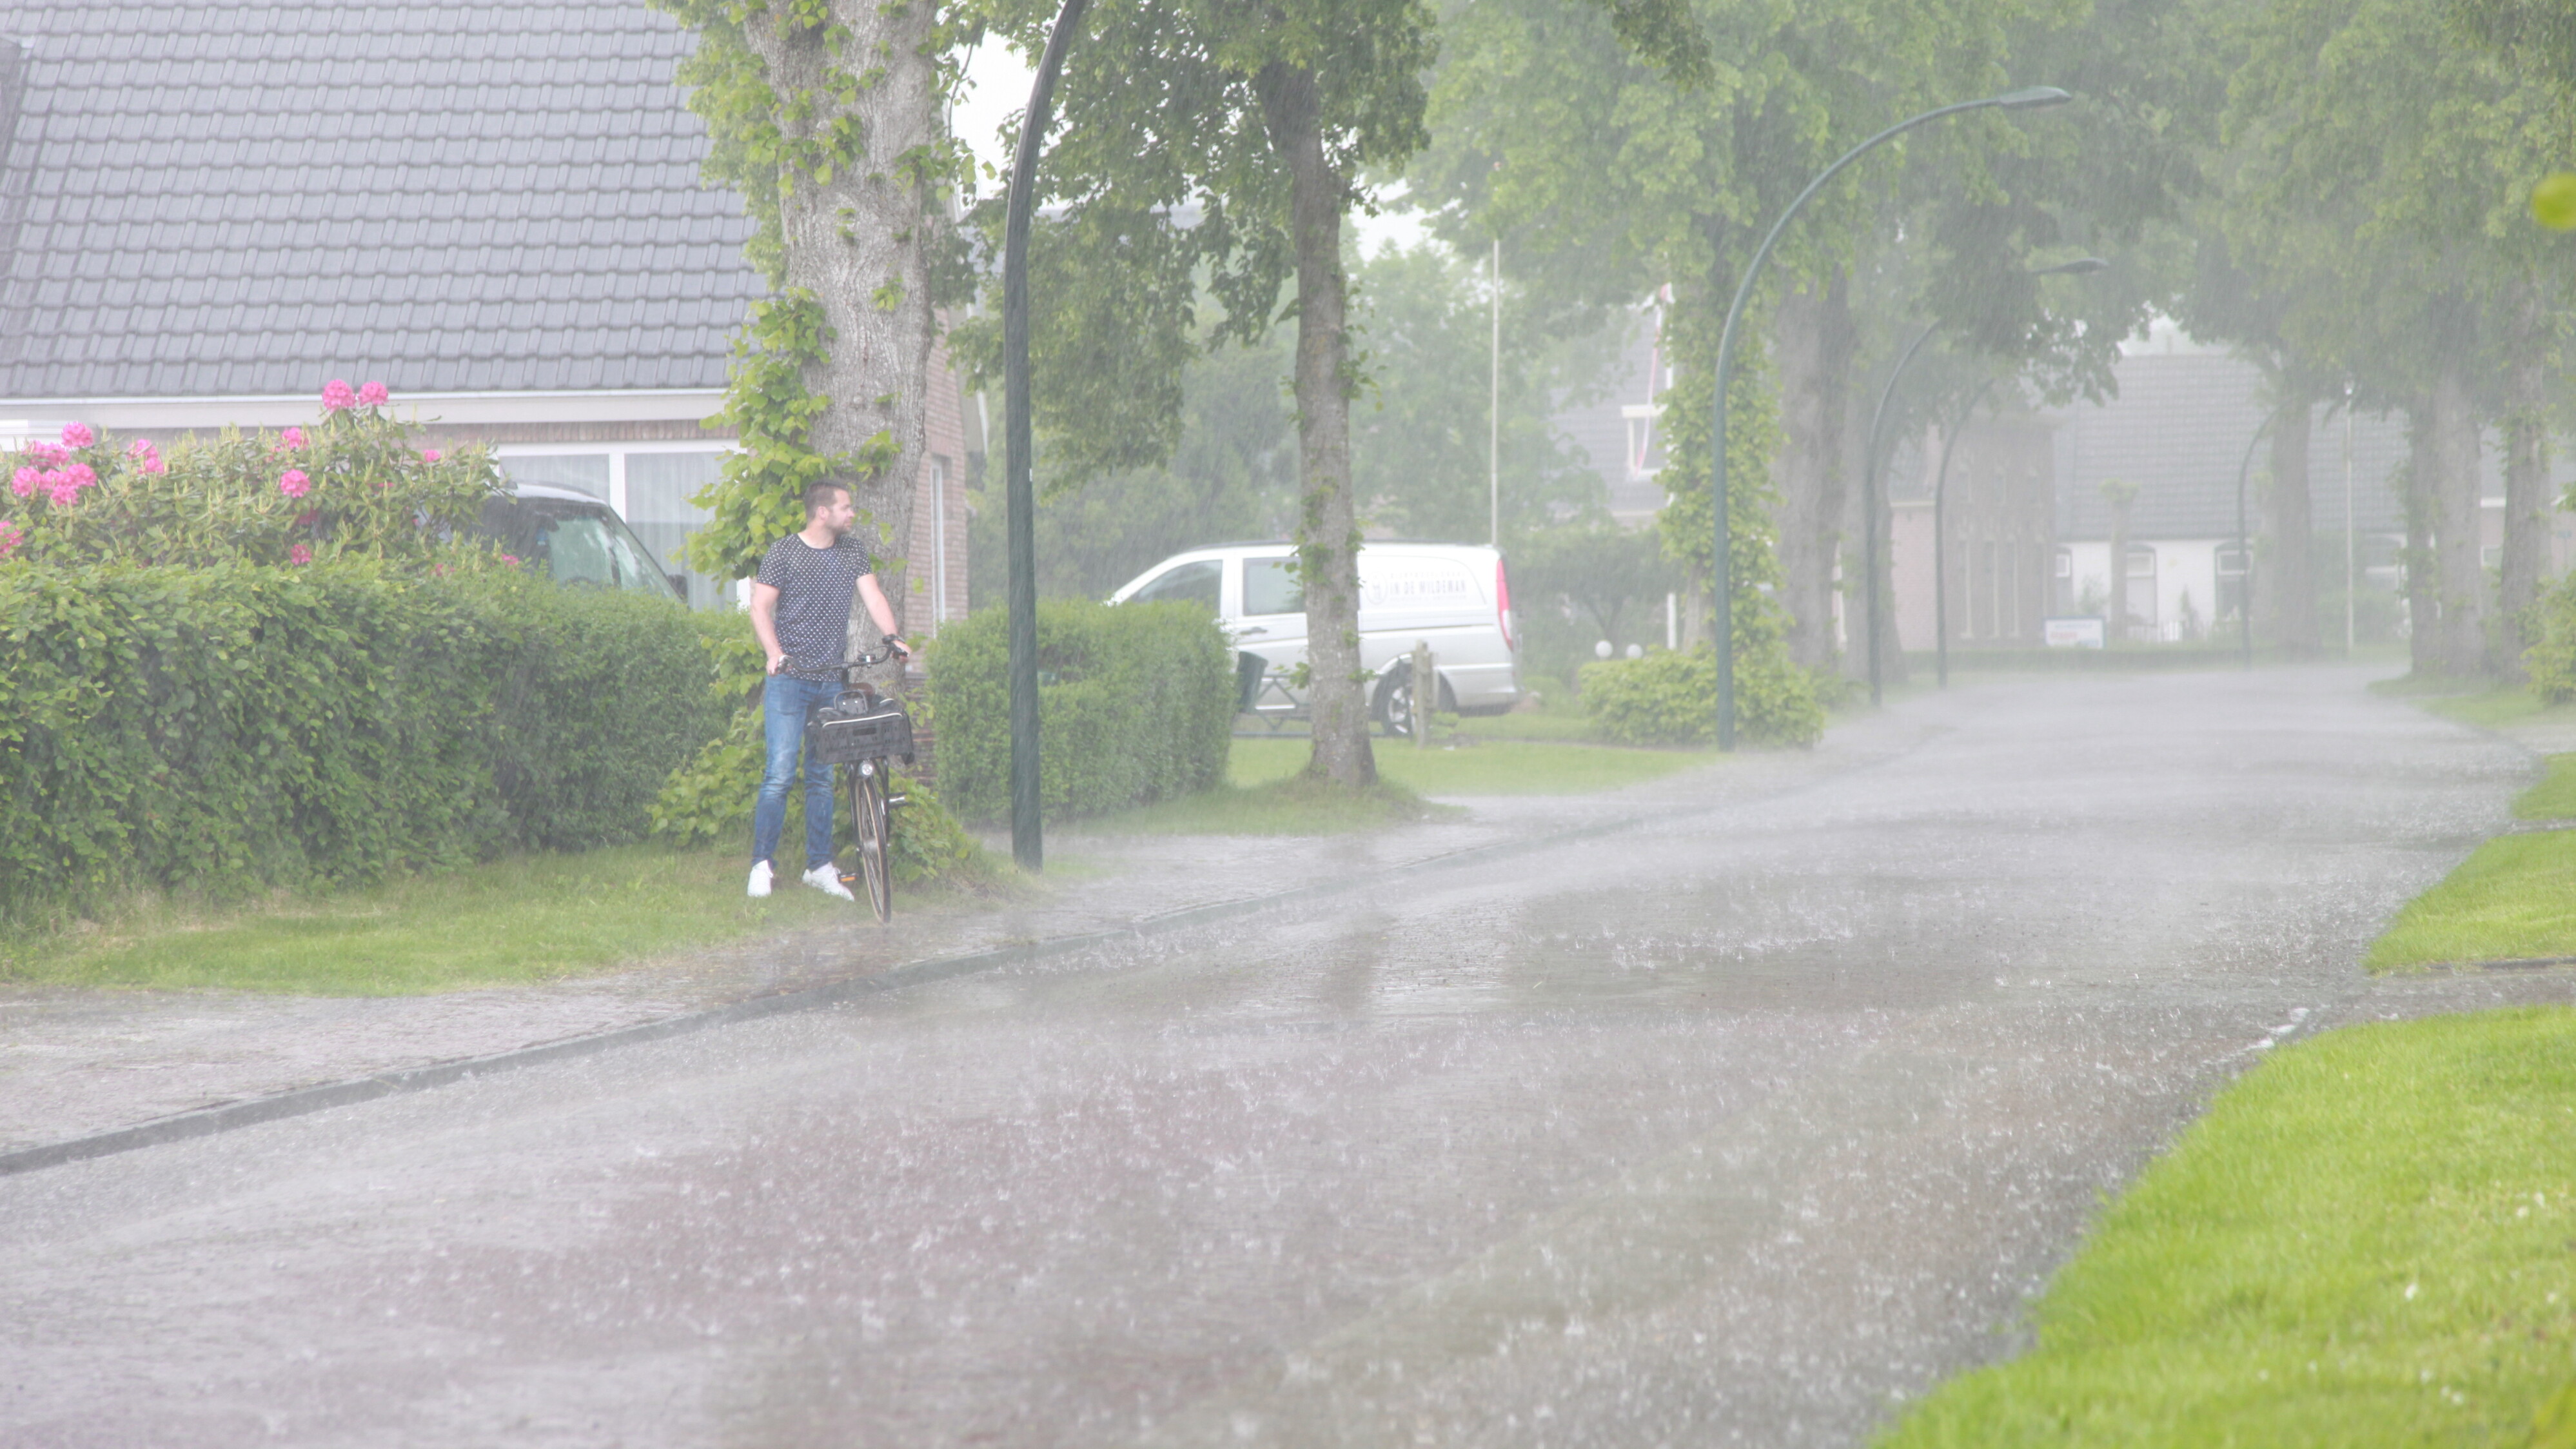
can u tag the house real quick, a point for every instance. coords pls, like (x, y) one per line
(2030, 525)
(207, 211)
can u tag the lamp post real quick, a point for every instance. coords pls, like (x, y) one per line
(1941, 539)
(2245, 555)
(1028, 846)
(1872, 504)
(2028, 98)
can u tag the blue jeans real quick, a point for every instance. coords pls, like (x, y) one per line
(784, 702)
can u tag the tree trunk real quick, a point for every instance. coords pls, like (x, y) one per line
(2423, 617)
(2461, 569)
(2286, 581)
(860, 244)
(1328, 531)
(1817, 341)
(2527, 504)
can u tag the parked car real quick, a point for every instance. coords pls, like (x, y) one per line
(576, 539)
(1456, 597)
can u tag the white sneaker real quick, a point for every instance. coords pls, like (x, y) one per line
(827, 879)
(759, 879)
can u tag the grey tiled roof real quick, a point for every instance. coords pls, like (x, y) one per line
(245, 198)
(2178, 430)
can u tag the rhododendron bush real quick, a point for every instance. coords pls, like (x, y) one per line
(354, 483)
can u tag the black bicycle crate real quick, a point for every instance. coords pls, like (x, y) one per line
(844, 734)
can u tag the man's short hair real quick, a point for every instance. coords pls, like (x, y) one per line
(818, 495)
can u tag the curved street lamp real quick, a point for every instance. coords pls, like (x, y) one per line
(1019, 504)
(1873, 503)
(2028, 98)
(2244, 554)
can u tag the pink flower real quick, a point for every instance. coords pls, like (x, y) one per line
(47, 452)
(11, 535)
(373, 395)
(24, 481)
(299, 555)
(78, 435)
(430, 455)
(336, 395)
(141, 448)
(61, 489)
(81, 475)
(293, 483)
(291, 438)
(154, 464)
(509, 558)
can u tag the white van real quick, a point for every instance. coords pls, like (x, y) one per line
(1454, 596)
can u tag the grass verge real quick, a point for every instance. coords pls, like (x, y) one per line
(2366, 1242)
(2513, 899)
(2554, 798)
(1491, 767)
(2486, 709)
(526, 919)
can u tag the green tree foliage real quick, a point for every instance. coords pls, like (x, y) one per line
(1259, 122)
(1419, 428)
(823, 114)
(2377, 172)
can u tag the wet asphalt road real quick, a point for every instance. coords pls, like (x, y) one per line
(1740, 1126)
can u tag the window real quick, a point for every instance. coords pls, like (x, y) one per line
(658, 489)
(1195, 583)
(1271, 587)
(2230, 564)
(580, 472)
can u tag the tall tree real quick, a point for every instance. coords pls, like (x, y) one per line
(1227, 140)
(824, 115)
(2379, 173)
(1224, 142)
(1615, 181)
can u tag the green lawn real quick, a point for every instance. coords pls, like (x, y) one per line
(1492, 767)
(2514, 899)
(531, 918)
(2366, 1242)
(2487, 709)
(2554, 798)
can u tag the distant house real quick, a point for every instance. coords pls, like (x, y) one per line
(2030, 527)
(207, 211)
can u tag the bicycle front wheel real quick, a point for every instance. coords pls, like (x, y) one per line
(876, 863)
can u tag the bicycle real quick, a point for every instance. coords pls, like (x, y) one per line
(865, 730)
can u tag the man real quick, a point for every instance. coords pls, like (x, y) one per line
(800, 608)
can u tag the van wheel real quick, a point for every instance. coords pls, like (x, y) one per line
(1394, 708)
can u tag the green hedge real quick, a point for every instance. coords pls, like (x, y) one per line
(1135, 704)
(234, 727)
(1670, 698)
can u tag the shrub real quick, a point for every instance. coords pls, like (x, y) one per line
(224, 728)
(709, 798)
(1670, 698)
(352, 485)
(1135, 704)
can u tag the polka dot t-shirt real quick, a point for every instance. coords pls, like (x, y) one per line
(814, 589)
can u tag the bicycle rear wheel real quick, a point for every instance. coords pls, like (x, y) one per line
(876, 865)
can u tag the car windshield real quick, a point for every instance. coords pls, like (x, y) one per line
(576, 542)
